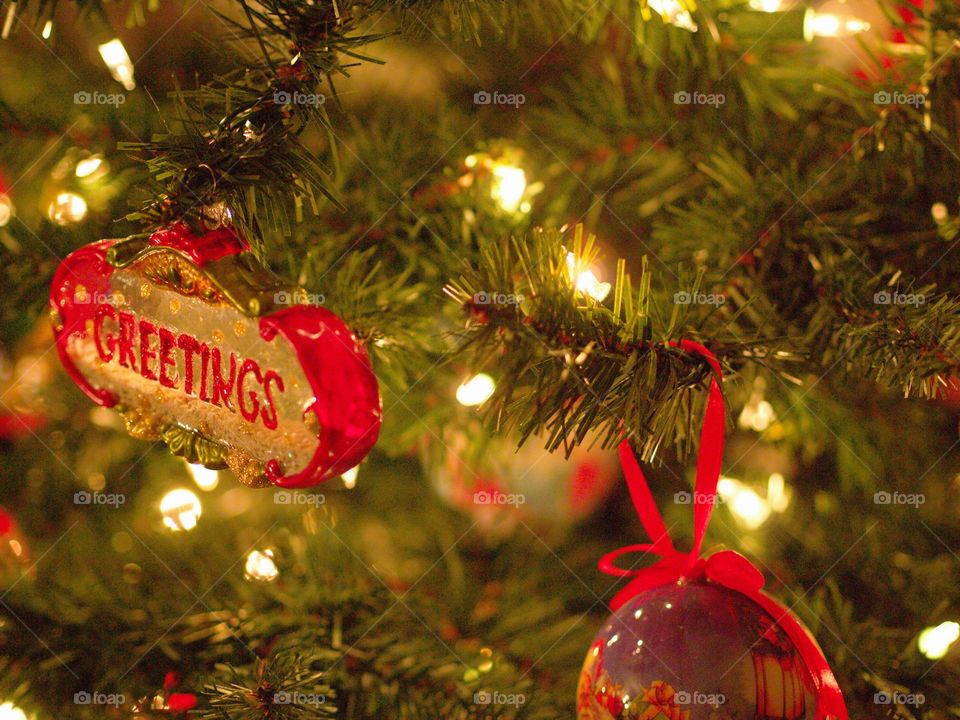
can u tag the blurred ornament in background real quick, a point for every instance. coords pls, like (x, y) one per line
(501, 486)
(14, 552)
(166, 703)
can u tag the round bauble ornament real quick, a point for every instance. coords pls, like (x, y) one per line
(501, 486)
(694, 651)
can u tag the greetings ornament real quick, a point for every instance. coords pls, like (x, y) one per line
(198, 344)
(695, 637)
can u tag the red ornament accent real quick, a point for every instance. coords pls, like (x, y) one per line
(173, 330)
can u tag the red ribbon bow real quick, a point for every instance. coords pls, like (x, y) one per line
(726, 567)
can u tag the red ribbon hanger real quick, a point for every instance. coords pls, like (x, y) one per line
(725, 567)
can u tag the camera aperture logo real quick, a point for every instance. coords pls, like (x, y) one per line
(495, 497)
(698, 298)
(87, 97)
(698, 98)
(298, 297)
(685, 497)
(898, 97)
(487, 697)
(899, 698)
(884, 497)
(85, 497)
(288, 497)
(482, 297)
(295, 97)
(298, 698)
(98, 698)
(894, 297)
(495, 97)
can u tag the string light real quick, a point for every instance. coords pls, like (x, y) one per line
(476, 390)
(350, 477)
(778, 496)
(748, 507)
(934, 642)
(6, 209)
(205, 478)
(675, 12)
(47, 30)
(9, 711)
(260, 567)
(756, 415)
(586, 282)
(831, 25)
(509, 185)
(91, 167)
(117, 60)
(181, 509)
(67, 208)
(770, 6)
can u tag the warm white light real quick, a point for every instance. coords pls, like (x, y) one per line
(674, 12)
(350, 477)
(89, 166)
(778, 496)
(586, 281)
(756, 414)
(748, 507)
(115, 56)
(769, 6)
(831, 25)
(181, 509)
(6, 209)
(476, 390)
(47, 30)
(510, 183)
(68, 207)
(261, 567)
(934, 642)
(9, 711)
(205, 478)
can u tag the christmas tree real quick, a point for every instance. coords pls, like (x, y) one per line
(501, 240)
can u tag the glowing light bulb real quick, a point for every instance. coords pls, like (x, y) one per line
(748, 507)
(831, 25)
(91, 167)
(117, 60)
(350, 477)
(47, 30)
(778, 497)
(67, 208)
(260, 567)
(769, 6)
(9, 711)
(509, 185)
(934, 642)
(205, 478)
(586, 282)
(180, 509)
(476, 390)
(6, 209)
(674, 12)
